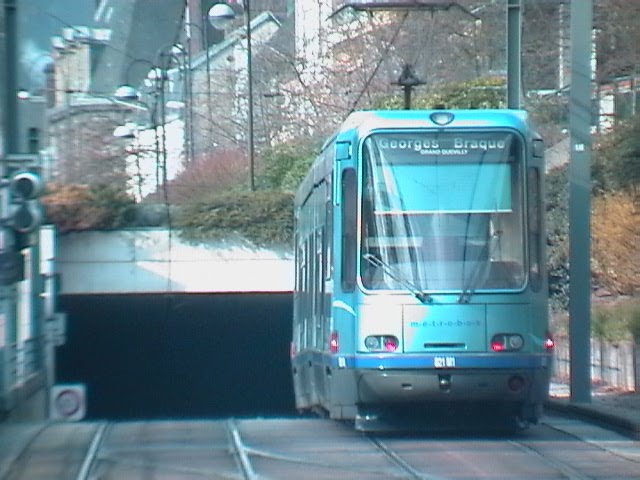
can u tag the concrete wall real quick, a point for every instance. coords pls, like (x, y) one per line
(157, 260)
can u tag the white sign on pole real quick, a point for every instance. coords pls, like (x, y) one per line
(68, 402)
(56, 329)
(3, 330)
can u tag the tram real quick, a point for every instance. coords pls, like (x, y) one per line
(420, 267)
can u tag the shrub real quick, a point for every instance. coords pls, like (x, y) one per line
(606, 324)
(87, 207)
(218, 171)
(557, 204)
(634, 321)
(285, 165)
(619, 321)
(615, 243)
(617, 157)
(263, 217)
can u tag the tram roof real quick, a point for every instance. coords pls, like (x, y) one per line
(368, 120)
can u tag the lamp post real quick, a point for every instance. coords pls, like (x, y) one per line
(204, 47)
(220, 15)
(160, 75)
(187, 79)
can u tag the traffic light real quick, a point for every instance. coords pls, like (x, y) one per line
(25, 211)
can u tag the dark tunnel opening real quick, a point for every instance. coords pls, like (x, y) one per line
(179, 356)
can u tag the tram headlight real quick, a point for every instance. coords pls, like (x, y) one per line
(507, 342)
(372, 343)
(381, 343)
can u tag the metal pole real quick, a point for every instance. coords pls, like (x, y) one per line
(189, 107)
(11, 71)
(514, 68)
(205, 47)
(407, 97)
(247, 12)
(9, 138)
(579, 200)
(163, 115)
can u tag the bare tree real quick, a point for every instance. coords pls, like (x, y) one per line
(618, 36)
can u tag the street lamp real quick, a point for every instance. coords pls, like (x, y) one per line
(219, 16)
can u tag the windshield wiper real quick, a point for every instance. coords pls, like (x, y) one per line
(398, 277)
(468, 289)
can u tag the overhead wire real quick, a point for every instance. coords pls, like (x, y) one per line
(380, 61)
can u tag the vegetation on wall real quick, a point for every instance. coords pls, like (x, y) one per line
(557, 209)
(286, 164)
(617, 158)
(263, 217)
(227, 207)
(616, 322)
(615, 226)
(615, 233)
(75, 208)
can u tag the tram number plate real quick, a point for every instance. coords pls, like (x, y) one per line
(444, 362)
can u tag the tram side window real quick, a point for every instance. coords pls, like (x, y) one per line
(349, 206)
(319, 289)
(304, 295)
(535, 229)
(309, 298)
(328, 235)
(299, 265)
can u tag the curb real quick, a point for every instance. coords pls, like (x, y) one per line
(614, 418)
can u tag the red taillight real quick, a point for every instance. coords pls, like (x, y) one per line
(333, 342)
(381, 343)
(548, 342)
(292, 350)
(507, 342)
(390, 344)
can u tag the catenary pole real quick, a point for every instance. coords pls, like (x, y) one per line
(514, 34)
(579, 200)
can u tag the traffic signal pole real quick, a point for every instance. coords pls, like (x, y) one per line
(9, 141)
(22, 349)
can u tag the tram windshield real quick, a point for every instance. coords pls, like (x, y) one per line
(442, 212)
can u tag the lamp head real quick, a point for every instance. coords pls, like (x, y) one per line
(220, 15)
(127, 93)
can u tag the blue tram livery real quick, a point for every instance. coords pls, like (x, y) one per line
(420, 267)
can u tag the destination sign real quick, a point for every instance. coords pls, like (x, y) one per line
(401, 148)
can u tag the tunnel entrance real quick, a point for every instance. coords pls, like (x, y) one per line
(179, 356)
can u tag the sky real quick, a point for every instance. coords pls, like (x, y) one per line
(38, 21)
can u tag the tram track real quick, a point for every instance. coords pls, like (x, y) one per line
(240, 451)
(397, 460)
(564, 468)
(250, 449)
(92, 452)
